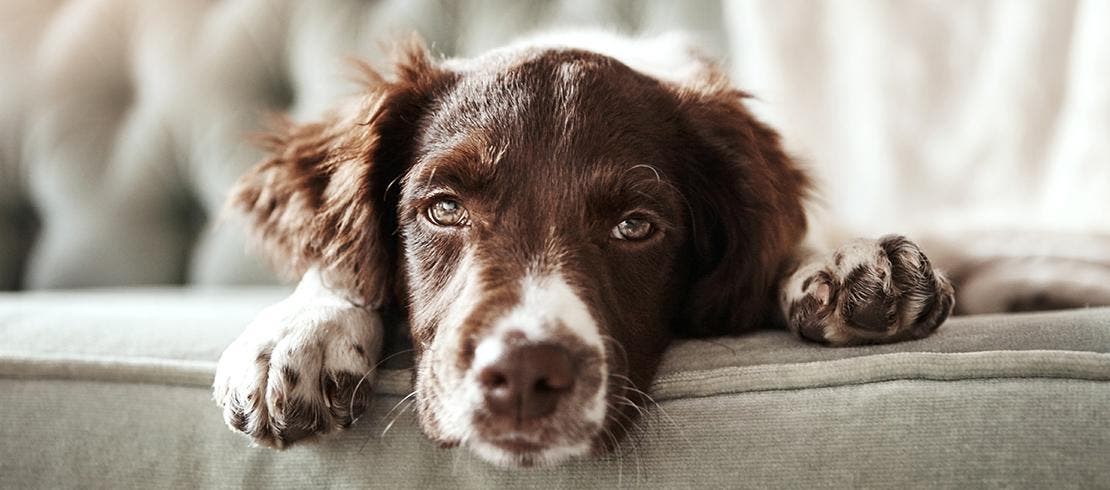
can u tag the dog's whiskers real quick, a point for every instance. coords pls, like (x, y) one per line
(407, 408)
(629, 386)
(629, 434)
(351, 408)
(617, 348)
(390, 412)
(617, 450)
(368, 435)
(681, 195)
(628, 402)
(649, 167)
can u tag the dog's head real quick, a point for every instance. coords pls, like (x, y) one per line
(549, 219)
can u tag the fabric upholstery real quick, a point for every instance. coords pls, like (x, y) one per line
(123, 122)
(112, 389)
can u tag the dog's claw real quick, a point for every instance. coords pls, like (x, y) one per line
(872, 291)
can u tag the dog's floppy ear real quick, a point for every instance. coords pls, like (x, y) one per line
(747, 197)
(320, 198)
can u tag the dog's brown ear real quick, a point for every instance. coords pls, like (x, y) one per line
(747, 197)
(321, 199)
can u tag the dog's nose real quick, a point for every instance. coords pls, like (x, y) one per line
(526, 382)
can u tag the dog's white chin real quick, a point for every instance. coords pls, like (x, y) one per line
(549, 456)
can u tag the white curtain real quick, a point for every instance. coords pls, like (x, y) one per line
(926, 115)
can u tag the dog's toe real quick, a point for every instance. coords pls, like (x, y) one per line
(872, 291)
(286, 383)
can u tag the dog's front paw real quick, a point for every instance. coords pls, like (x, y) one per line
(870, 291)
(301, 369)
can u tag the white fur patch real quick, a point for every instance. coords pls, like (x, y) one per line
(550, 456)
(548, 304)
(459, 398)
(311, 332)
(545, 302)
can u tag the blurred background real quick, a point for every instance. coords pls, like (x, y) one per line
(122, 122)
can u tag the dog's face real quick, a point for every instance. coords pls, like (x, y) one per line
(549, 219)
(543, 233)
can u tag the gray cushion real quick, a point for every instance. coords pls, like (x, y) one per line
(111, 388)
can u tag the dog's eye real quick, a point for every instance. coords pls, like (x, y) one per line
(633, 229)
(447, 212)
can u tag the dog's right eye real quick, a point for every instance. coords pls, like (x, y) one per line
(447, 212)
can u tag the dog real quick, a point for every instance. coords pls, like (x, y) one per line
(547, 218)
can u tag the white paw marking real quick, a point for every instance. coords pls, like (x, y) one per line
(311, 334)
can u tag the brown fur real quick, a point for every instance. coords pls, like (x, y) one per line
(546, 151)
(315, 201)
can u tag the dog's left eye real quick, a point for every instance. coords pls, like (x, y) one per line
(447, 212)
(633, 229)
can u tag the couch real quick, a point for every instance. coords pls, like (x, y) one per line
(124, 122)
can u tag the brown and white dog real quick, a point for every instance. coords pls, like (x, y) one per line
(547, 218)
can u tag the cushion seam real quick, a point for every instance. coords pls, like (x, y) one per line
(1063, 365)
(880, 381)
(723, 392)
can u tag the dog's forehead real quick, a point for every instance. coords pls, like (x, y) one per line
(553, 114)
(550, 69)
(547, 96)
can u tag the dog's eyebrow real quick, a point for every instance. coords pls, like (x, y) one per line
(638, 178)
(461, 178)
(640, 185)
(464, 167)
